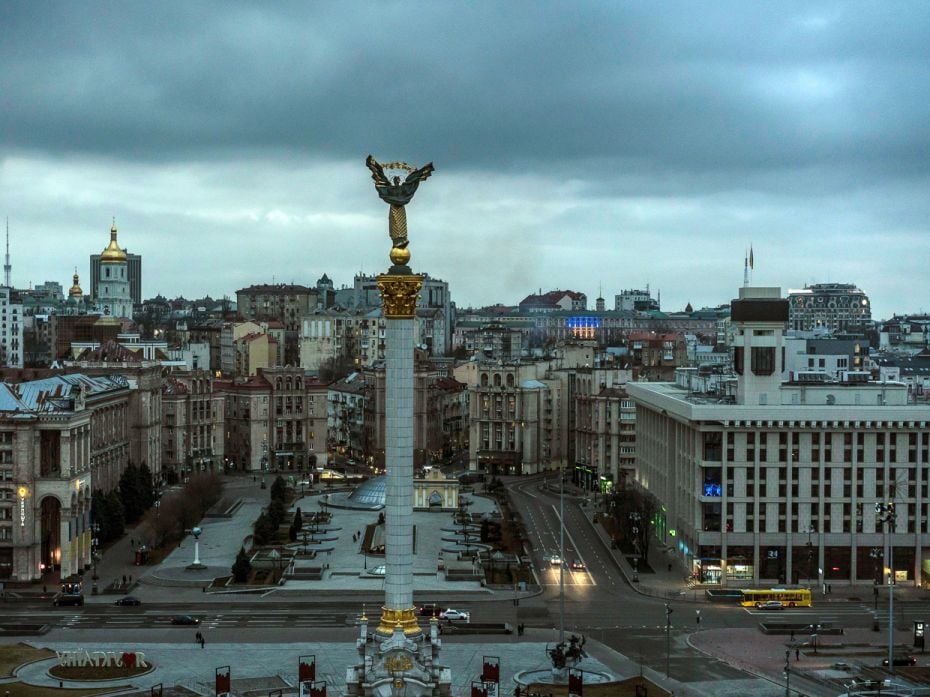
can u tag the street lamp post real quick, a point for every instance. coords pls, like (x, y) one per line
(787, 672)
(264, 462)
(668, 637)
(635, 519)
(93, 554)
(885, 513)
(875, 553)
(810, 552)
(562, 553)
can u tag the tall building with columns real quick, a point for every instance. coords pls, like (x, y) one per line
(111, 289)
(60, 438)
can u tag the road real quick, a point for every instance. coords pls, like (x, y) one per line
(598, 602)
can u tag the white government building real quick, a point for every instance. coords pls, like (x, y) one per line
(766, 482)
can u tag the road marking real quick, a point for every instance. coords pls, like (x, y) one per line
(572, 540)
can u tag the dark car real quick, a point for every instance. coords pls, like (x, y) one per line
(578, 565)
(429, 609)
(129, 601)
(185, 620)
(902, 661)
(68, 599)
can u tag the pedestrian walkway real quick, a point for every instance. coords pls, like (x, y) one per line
(271, 666)
(814, 658)
(344, 567)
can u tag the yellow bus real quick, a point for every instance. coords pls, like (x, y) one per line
(788, 597)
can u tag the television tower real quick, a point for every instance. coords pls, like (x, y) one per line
(6, 266)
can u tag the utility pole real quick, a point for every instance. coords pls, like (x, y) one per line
(886, 514)
(668, 637)
(562, 553)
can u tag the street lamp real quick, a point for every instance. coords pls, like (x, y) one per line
(668, 637)
(875, 554)
(635, 519)
(810, 552)
(787, 672)
(885, 514)
(93, 555)
(264, 462)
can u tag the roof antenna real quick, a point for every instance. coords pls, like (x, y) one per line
(7, 268)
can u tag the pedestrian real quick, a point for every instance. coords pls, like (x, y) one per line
(792, 635)
(132, 542)
(130, 579)
(670, 567)
(202, 641)
(124, 579)
(797, 654)
(197, 638)
(697, 617)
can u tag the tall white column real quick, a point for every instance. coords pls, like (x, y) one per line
(399, 290)
(398, 582)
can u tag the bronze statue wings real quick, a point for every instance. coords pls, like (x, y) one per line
(380, 178)
(419, 175)
(377, 172)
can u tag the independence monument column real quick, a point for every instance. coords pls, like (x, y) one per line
(399, 289)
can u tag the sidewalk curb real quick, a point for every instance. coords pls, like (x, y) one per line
(600, 533)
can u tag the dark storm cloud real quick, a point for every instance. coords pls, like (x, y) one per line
(576, 143)
(742, 88)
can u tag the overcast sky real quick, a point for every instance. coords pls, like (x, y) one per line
(577, 145)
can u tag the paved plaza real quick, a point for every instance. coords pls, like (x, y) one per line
(346, 579)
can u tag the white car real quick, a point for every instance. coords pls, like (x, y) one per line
(455, 615)
(555, 560)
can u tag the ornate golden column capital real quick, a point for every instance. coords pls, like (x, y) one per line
(406, 618)
(399, 295)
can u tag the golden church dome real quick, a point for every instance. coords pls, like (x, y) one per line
(113, 253)
(76, 291)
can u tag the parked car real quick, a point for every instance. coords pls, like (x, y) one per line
(186, 620)
(429, 609)
(128, 600)
(770, 605)
(902, 661)
(68, 599)
(451, 615)
(578, 565)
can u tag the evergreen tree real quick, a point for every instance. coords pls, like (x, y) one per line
(242, 567)
(146, 486)
(115, 515)
(485, 530)
(278, 488)
(98, 515)
(263, 530)
(130, 493)
(276, 512)
(296, 526)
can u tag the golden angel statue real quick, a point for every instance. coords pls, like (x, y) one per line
(397, 194)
